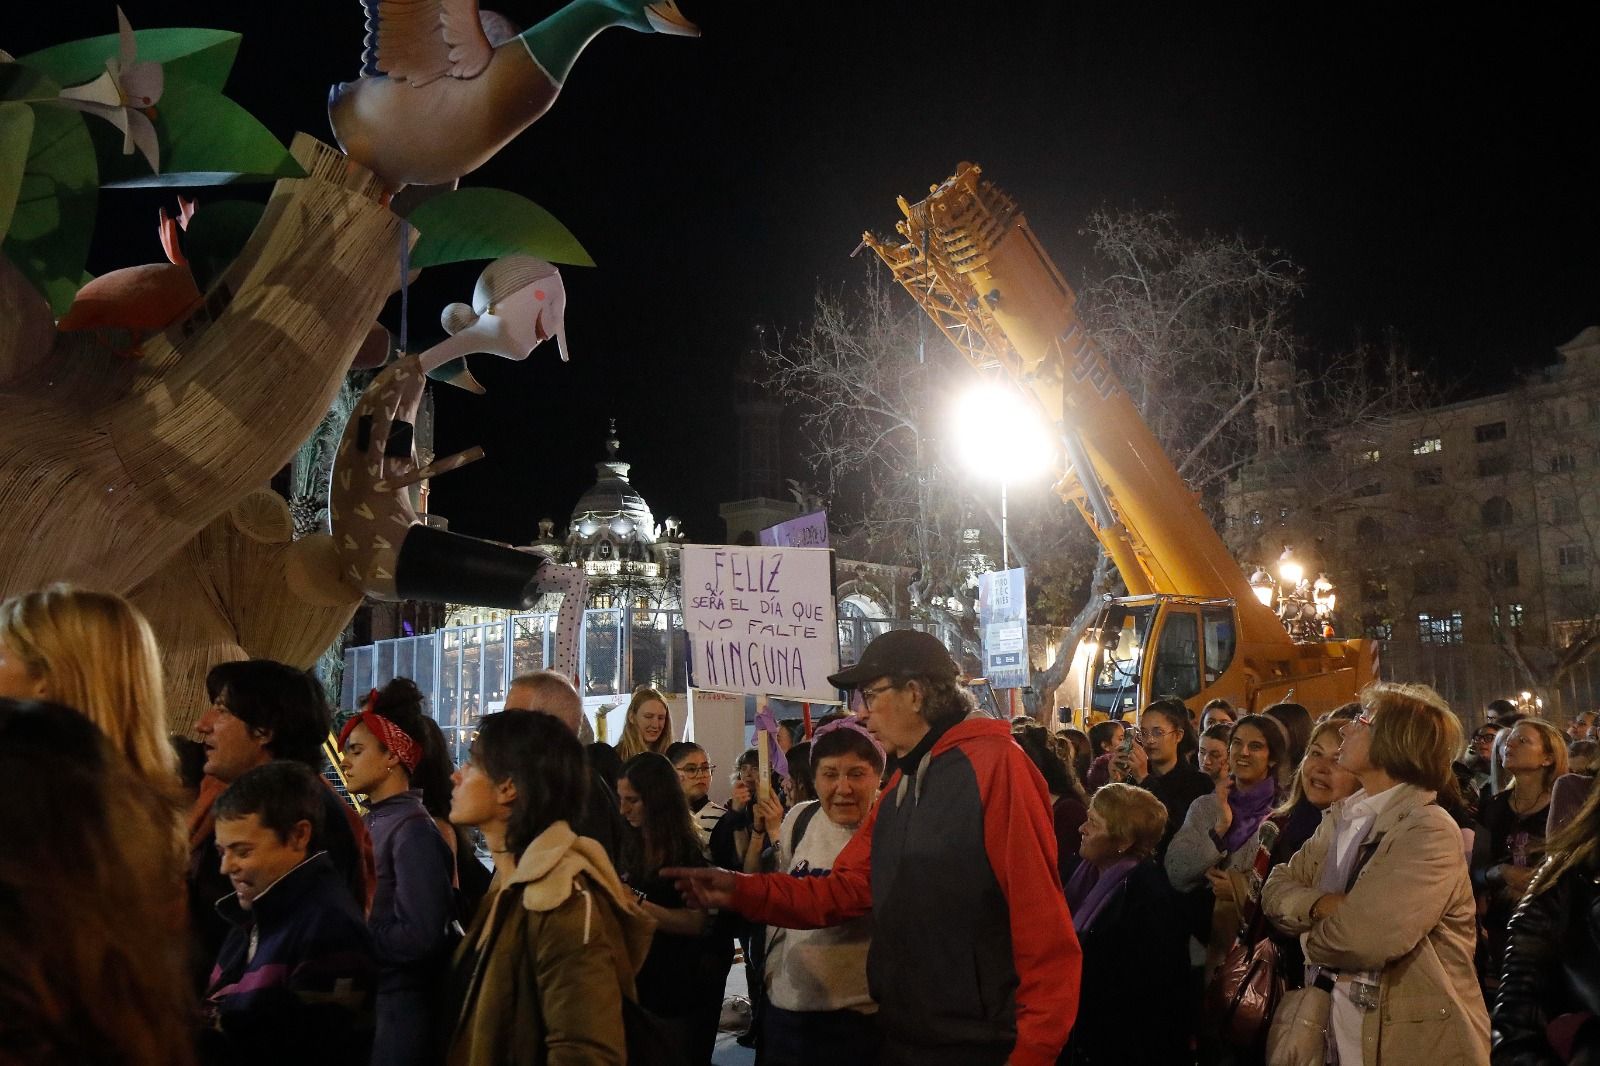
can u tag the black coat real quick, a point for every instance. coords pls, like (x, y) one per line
(1135, 954)
(1552, 968)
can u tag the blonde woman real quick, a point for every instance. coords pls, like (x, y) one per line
(1511, 827)
(93, 652)
(1381, 895)
(647, 725)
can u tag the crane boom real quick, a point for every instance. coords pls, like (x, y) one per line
(972, 263)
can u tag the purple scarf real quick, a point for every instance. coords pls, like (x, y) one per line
(1250, 808)
(1090, 889)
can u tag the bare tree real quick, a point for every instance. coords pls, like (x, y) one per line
(871, 384)
(1194, 327)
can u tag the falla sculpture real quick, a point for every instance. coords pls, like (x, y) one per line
(437, 98)
(385, 549)
(149, 476)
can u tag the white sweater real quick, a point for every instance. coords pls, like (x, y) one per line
(817, 969)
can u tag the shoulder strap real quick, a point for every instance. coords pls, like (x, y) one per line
(801, 821)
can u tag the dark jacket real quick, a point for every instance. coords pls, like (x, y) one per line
(1552, 968)
(1176, 790)
(413, 911)
(1137, 951)
(973, 957)
(601, 820)
(294, 980)
(344, 838)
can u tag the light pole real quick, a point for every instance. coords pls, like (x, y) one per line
(1000, 435)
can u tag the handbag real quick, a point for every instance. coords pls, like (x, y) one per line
(1245, 994)
(1299, 1033)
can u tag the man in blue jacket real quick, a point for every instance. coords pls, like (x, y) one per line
(294, 979)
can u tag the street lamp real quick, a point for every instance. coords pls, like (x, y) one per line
(1289, 568)
(999, 435)
(1263, 586)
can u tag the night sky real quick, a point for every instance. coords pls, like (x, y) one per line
(1435, 176)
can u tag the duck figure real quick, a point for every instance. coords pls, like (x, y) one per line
(437, 97)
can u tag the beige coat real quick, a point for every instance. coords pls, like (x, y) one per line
(549, 960)
(1409, 914)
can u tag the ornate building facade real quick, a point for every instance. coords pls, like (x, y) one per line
(1466, 537)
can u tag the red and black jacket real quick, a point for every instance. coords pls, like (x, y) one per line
(973, 955)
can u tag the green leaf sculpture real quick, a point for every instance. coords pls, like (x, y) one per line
(489, 223)
(16, 133)
(53, 163)
(206, 139)
(48, 239)
(203, 57)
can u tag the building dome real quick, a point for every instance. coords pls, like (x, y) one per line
(612, 529)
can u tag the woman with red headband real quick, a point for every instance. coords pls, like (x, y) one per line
(388, 752)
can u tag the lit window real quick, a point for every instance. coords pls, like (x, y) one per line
(1255, 518)
(1371, 455)
(1513, 616)
(1427, 446)
(1443, 628)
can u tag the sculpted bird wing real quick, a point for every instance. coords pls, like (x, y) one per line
(420, 41)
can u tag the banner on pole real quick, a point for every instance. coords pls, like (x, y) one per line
(807, 531)
(1003, 621)
(760, 620)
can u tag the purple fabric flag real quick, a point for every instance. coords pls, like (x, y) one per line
(807, 531)
(767, 722)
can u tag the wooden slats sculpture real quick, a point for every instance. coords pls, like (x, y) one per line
(111, 470)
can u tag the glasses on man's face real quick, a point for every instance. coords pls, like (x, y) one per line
(870, 694)
(697, 769)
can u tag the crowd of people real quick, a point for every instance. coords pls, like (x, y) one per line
(915, 883)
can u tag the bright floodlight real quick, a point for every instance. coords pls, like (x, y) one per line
(1000, 435)
(1289, 569)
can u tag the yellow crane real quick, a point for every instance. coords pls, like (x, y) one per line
(1190, 625)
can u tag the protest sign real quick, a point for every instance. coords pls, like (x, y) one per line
(1003, 621)
(761, 620)
(807, 531)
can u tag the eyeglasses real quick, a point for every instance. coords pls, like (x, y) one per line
(697, 770)
(870, 694)
(1364, 718)
(1157, 734)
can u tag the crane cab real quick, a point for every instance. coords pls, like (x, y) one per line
(1143, 647)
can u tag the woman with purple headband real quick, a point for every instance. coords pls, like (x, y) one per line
(818, 1009)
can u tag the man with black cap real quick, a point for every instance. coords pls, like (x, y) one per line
(973, 958)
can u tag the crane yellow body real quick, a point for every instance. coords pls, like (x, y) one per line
(971, 262)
